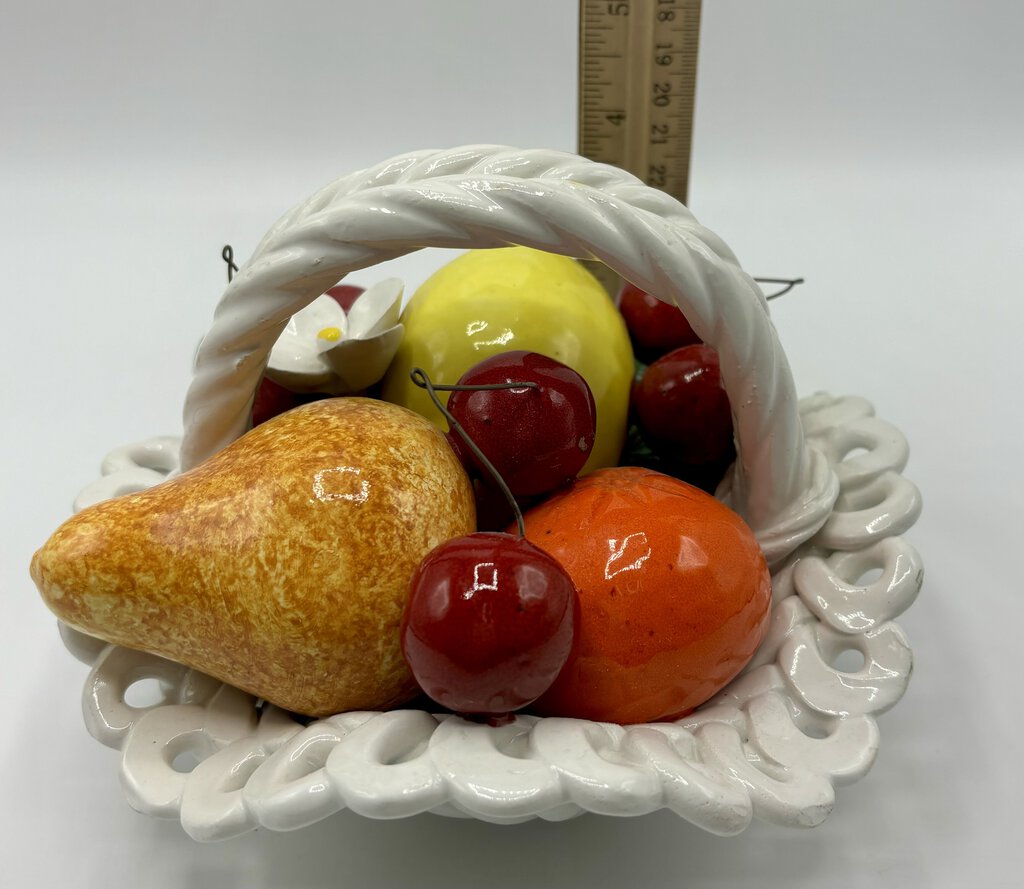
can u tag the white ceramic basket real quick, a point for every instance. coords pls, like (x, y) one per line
(773, 744)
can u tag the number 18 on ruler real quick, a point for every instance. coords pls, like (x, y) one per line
(638, 77)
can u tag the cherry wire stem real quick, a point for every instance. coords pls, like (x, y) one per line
(420, 378)
(476, 387)
(789, 282)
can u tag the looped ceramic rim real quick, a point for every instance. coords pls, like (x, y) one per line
(771, 745)
(493, 196)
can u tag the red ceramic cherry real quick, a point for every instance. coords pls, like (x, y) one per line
(489, 623)
(272, 399)
(683, 411)
(346, 294)
(537, 438)
(655, 327)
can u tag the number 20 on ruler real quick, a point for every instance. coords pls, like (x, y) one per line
(638, 67)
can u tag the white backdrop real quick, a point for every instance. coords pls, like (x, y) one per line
(875, 148)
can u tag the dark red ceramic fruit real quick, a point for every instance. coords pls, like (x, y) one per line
(493, 511)
(489, 623)
(346, 294)
(655, 327)
(537, 438)
(272, 399)
(682, 409)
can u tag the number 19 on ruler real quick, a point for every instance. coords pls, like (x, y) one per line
(638, 77)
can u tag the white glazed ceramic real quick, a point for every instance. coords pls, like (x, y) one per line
(369, 336)
(773, 744)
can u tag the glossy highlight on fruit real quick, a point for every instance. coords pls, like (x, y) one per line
(488, 624)
(674, 595)
(538, 438)
(490, 301)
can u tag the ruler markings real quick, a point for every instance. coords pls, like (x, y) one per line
(638, 69)
(638, 73)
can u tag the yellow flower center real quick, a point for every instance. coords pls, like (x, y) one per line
(331, 334)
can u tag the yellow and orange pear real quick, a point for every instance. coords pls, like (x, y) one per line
(281, 565)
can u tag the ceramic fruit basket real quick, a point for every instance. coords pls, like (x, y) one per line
(818, 481)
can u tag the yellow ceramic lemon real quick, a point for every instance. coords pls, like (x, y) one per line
(490, 301)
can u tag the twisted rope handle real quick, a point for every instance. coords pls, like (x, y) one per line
(494, 196)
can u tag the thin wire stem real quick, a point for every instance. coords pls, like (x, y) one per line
(420, 378)
(789, 282)
(480, 387)
(228, 255)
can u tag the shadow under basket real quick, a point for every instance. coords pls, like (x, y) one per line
(818, 480)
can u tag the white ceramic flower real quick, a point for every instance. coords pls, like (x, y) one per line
(324, 350)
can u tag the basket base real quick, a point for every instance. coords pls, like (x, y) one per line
(771, 745)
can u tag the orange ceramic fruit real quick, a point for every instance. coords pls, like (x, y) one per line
(674, 595)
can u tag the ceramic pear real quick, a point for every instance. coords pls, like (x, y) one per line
(281, 565)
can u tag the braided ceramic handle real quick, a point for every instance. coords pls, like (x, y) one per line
(493, 196)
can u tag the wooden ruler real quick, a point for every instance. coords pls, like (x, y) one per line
(637, 82)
